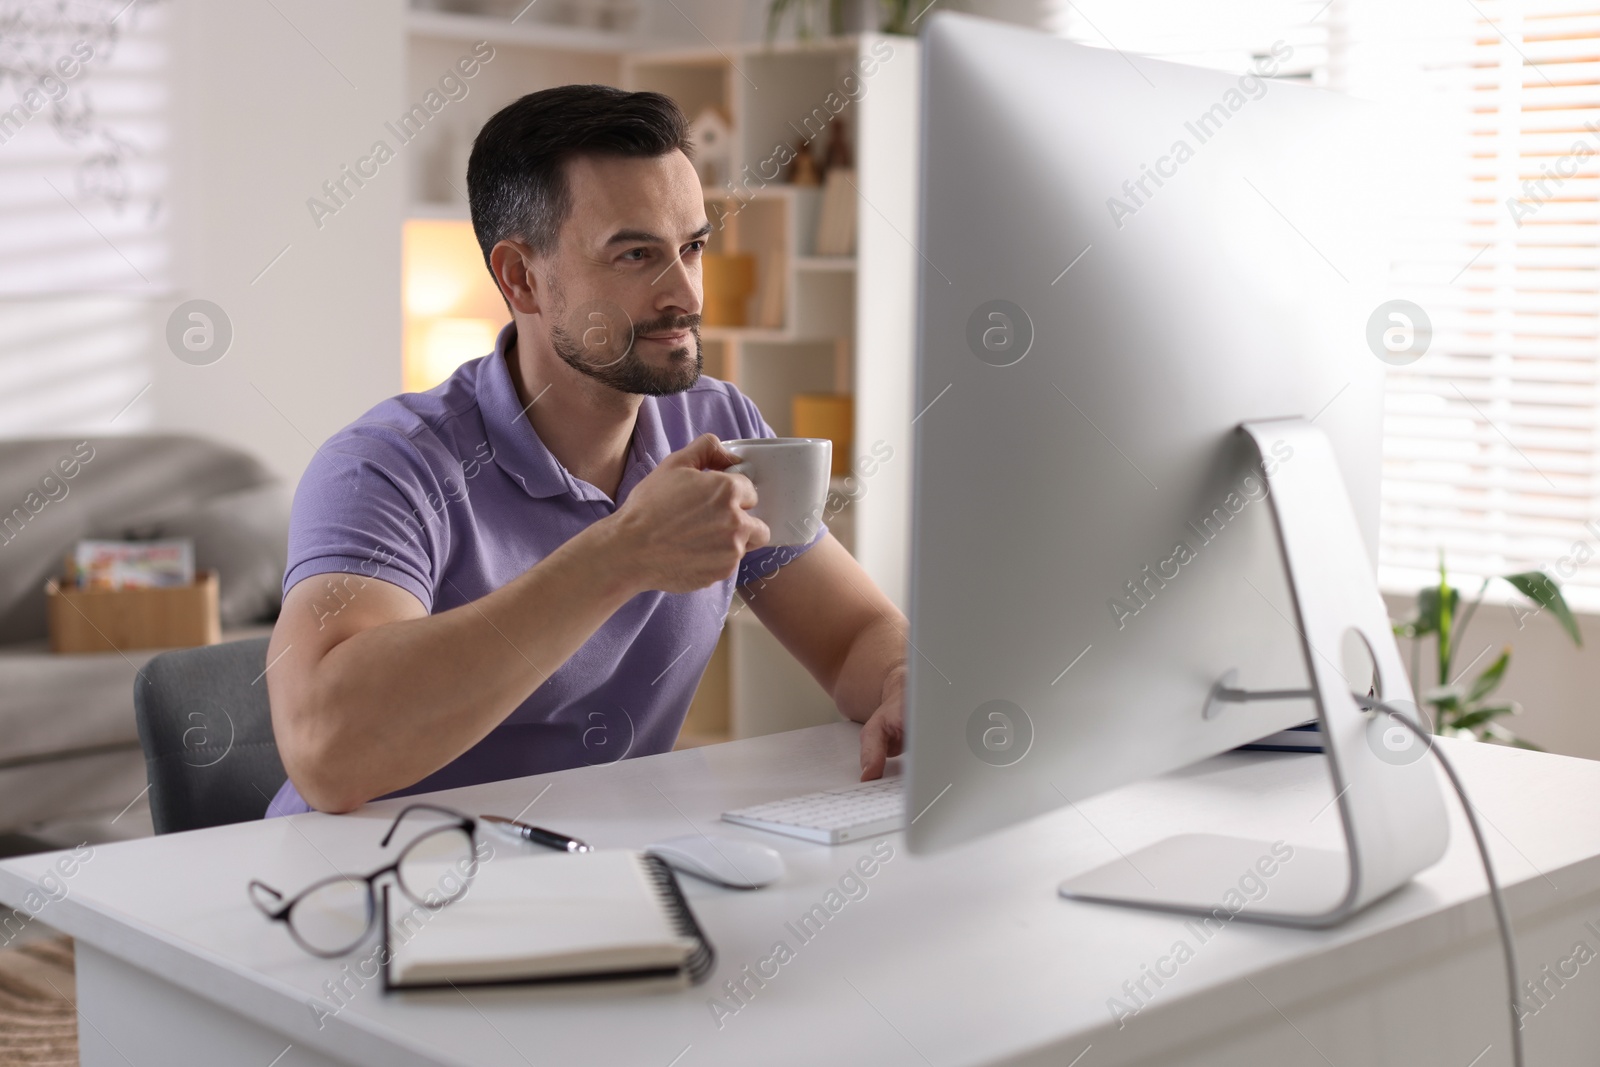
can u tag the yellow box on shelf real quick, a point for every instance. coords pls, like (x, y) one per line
(830, 415)
(729, 279)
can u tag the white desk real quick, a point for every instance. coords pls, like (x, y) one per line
(965, 957)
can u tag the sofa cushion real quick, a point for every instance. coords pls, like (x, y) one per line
(91, 785)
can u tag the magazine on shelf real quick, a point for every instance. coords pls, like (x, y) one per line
(133, 564)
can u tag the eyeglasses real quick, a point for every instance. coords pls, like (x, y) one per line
(333, 916)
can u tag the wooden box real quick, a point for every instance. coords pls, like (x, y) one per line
(119, 620)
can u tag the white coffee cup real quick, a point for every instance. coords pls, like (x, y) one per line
(791, 480)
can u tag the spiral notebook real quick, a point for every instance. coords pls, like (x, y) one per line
(609, 916)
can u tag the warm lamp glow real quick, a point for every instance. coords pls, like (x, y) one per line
(431, 292)
(453, 310)
(444, 344)
(444, 272)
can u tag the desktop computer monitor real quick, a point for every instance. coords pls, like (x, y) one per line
(1121, 261)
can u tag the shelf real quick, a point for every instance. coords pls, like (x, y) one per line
(747, 333)
(452, 26)
(825, 263)
(773, 190)
(433, 209)
(720, 54)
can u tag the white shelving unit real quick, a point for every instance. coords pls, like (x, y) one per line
(843, 324)
(526, 32)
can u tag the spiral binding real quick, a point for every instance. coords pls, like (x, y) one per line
(704, 957)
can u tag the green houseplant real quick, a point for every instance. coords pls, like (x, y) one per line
(1461, 708)
(827, 17)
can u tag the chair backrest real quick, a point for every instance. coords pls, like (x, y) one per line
(206, 727)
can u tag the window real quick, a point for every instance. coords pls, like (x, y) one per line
(1492, 445)
(87, 113)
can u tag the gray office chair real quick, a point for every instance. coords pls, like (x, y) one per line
(206, 728)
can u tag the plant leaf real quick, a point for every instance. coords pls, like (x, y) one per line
(1543, 590)
(1476, 718)
(1491, 677)
(1427, 620)
(1445, 698)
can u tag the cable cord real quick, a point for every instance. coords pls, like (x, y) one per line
(1501, 918)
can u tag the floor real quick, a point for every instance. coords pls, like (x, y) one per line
(38, 1020)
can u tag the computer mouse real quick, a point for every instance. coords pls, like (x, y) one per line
(724, 861)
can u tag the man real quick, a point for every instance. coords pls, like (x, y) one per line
(527, 567)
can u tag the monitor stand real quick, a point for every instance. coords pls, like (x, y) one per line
(1388, 801)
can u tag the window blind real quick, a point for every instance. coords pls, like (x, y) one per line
(1492, 445)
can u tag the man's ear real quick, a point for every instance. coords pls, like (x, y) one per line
(513, 266)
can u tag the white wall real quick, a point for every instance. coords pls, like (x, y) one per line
(273, 105)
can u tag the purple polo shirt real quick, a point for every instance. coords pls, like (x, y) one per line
(450, 494)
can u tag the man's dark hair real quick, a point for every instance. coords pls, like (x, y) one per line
(516, 176)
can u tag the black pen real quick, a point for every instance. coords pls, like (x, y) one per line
(547, 838)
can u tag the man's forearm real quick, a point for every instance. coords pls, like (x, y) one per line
(392, 694)
(394, 703)
(877, 653)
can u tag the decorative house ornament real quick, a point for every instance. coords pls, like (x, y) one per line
(712, 134)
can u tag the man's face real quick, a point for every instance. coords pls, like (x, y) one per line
(623, 285)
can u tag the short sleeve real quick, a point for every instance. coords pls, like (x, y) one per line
(763, 563)
(362, 508)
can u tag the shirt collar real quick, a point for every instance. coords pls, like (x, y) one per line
(649, 447)
(519, 452)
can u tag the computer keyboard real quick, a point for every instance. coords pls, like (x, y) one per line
(832, 816)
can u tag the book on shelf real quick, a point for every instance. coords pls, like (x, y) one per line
(770, 280)
(836, 218)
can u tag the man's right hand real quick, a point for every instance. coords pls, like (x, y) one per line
(687, 524)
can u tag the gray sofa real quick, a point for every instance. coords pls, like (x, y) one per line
(68, 746)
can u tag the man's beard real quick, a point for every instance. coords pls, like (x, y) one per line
(629, 373)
